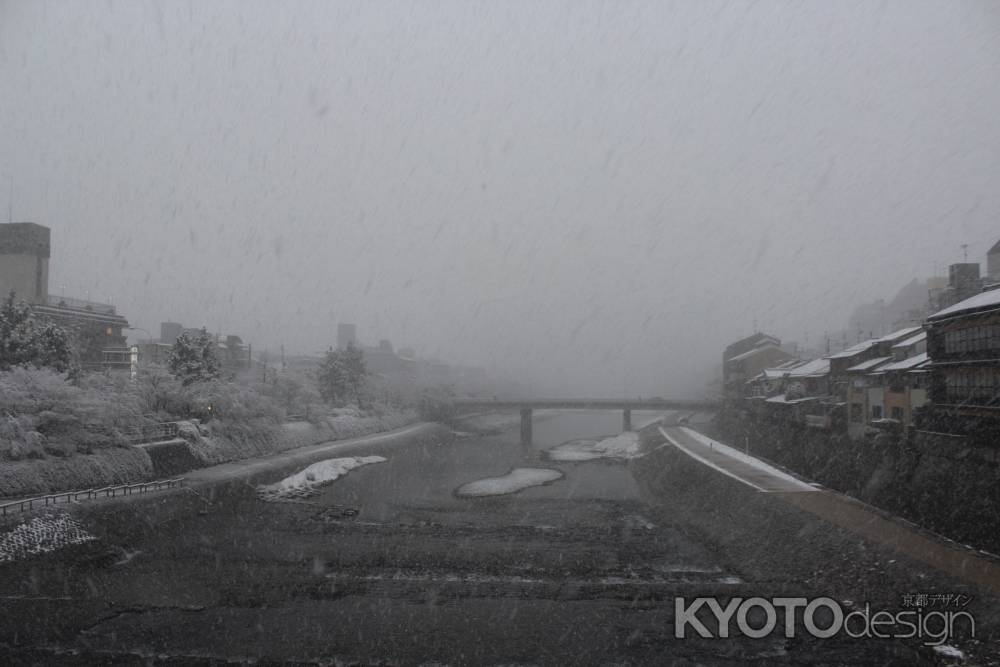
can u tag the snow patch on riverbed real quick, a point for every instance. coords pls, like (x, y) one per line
(514, 481)
(949, 651)
(624, 446)
(307, 482)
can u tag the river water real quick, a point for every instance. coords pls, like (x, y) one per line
(420, 479)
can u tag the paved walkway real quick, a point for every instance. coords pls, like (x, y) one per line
(732, 462)
(960, 562)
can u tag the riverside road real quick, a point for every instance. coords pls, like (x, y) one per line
(389, 565)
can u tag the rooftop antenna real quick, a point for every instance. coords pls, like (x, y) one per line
(965, 252)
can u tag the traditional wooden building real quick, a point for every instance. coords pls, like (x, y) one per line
(963, 344)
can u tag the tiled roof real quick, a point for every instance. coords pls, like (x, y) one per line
(912, 340)
(981, 301)
(906, 364)
(870, 364)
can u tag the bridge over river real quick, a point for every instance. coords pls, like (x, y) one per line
(528, 406)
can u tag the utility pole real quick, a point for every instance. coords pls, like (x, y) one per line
(965, 252)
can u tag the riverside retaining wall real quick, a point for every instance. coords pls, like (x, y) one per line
(946, 484)
(198, 446)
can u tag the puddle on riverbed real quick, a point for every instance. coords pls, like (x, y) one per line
(516, 480)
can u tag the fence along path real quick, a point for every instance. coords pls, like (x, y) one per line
(146, 434)
(27, 504)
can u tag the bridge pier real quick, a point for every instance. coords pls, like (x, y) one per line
(627, 419)
(526, 426)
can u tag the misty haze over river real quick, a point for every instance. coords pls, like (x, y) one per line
(496, 332)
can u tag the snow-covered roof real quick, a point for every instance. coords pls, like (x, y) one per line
(780, 371)
(913, 340)
(854, 349)
(896, 335)
(906, 364)
(750, 353)
(780, 398)
(980, 301)
(814, 368)
(868, 365)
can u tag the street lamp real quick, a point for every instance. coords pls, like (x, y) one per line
(133, 353)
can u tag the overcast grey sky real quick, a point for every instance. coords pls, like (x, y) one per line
(574, 192)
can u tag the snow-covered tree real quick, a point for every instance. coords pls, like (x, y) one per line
(331, 379)
(193, 359)
(355, 369)
(342, 374)
(26, 340)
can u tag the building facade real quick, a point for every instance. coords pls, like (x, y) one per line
(746, 358)
(24, 261)
(963, 343)
(95, 329)
(993, 263)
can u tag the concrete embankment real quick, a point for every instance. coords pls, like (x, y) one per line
(197, 447)
(768, 537)
(944, 483)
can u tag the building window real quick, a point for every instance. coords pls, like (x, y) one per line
(972, 339)
(856, 412)
(977, 386)
(897, 413)
(876, 412)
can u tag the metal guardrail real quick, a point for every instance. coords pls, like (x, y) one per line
(27, 504)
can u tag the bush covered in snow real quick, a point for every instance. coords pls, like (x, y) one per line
(58, 433)
(43, 413)
(105, 467)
